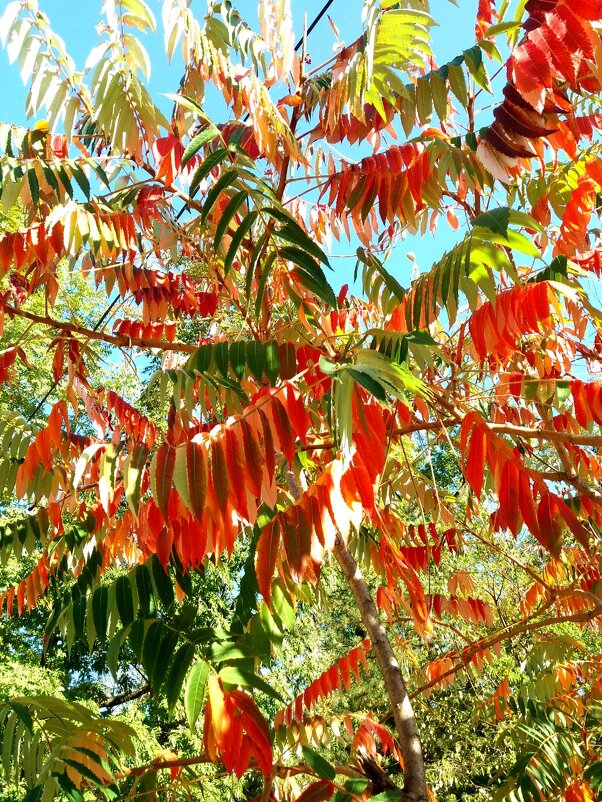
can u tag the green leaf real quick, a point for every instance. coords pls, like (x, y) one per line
(457, 83)
(356, 785)
(200, 361)
(237, 239)
(226, 217)
(233, 675)
(136, 636)
(272, 361)
(69, 789)
(474, 62)
(188, 103)
(237, 357)
(496, 220)
(252, 265)
(292, 232)
(265, 274)
(368, 383)
(144, 586)
(310, 274)
(51, 178)
(177, 672)
(166, 649)
(212, 160)
(296, 236)
(79, 615)
(65, 181)
(502, 27)
(387, 796)
(593, 774)
(151, 651)
(282, 607)
(424, 101)
(206, 135)
(114, 649)
(81, 179)
(23, 714)
(375, 265)
(124, 600)
(34, 794)
(133, 476)
(195, 691)
(328, 367)
(439, 94)
(343, 398)
(34, 186)
(146, 786)
(316, 762)
(256, 359)
(229, 651)
(163, 584)
(219, 354)
(216, 190)
(420, 337)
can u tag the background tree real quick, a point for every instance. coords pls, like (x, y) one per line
(439, 441)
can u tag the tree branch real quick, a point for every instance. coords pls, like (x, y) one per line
(120, 340)
(411, 747)
(509, 632)
(122, 698)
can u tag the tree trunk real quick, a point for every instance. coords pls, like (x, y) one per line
(409, 740)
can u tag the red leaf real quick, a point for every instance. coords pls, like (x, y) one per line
(266, 553)
(268, 444)
(296, 412)
(509, 496)
(581, 408)
(161, 476)
(527, 505)
(236, 469)
(297, 533)
(256, 728)
(569, 28)
(219, 474)
(549, 525)
(255, 462)
(284, 430)
(288, 360)
(475, 460)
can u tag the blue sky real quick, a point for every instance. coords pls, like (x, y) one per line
(75, 22)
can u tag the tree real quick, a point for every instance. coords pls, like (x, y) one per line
(437, 440)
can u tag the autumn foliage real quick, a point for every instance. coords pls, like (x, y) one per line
(305, 424)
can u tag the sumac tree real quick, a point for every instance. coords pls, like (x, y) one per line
(415, 435)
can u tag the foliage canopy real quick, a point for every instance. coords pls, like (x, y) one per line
(411, 470)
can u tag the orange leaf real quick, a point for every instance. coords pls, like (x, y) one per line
(297, 534)
(258, 733)
(547, 517)
(255, 462)
(161, 476)
(265, 558)
(475, 460)
(220, 479)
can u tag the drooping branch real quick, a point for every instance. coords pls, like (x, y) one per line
(120, 340)
(122, 698)
(507, 633)
(525, 432)
(405, 722)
